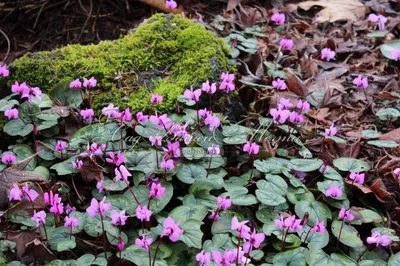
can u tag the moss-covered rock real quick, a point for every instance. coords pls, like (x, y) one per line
(164, 55)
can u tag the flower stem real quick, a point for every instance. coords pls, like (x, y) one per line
(252, 169)
(309, 230)
(237, 253)
(340, 233)
(131, 191)
(104, 236)
(362, 254)
(209, 166)
(284, 238)
(45, 231)
(155, 253)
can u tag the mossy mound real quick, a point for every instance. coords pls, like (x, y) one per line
(164, 55)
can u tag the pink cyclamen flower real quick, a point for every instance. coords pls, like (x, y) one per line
(251, 148)
(71, 222)
(292, 223)
(334, 191)
(32, 92)
(87, 114)
(279, 115)
(361, 82)
(121, 245)
(214, 150)
(156, 98)
(39, 218)
(116, 159)
(155, 140)
(212, 121)
(77, 164)
(358, 178)
(379, 240)
(254, 241)
(296, 118)
(345, 215)
(15, 193)
(379, 20)
(122, 173)
(118, 218)
(319, 227)
(193, 95)
(327, 54)
(156, 191)
(60, 145)
(278, 18)
(144, 242)
(286, 44)
(207, 88)
(224, 203)
(8, 158)
(214, 215)
(89, 83)
(240, 227)
(110, 111)
(171, 229)
(30, 194)
(57, 207)
(69, 209)
(171, 4)
(330, 132)
(99, 185)
(141, 117)
(4, 71)
(284, 104)
(11, 113)
(203, 258)
(396, 172)
(227, 259)
(143, 214)
(279, 84)
(98, 207)
(303, 107)
(167, 165)
(125, 115)
(395, 54)
(75, 84)
(19, 88)
(227, 82)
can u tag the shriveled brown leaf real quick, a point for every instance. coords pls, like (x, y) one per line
(378, 187)
(320, 115)
(296, 85)
(91, 171)
(39, 251)
(232, 4)
(334, 10)
(391, 135)
(21, 239)
(331, 74)
(62, 111)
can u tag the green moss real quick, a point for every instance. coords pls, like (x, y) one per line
(164, 55)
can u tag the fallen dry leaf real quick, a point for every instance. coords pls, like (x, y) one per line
(392, 135)
(334, 10)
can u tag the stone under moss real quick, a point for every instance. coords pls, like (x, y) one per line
(164, 55)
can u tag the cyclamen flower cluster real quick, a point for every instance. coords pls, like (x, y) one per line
(334, 191)
(286, 44)
(112, 111)
(395, 54)
(94, 149)
(87, 83)
(327, 54)
(278, 18)
(171, 4)
(283, 113)
(396, 172)
(25, 91)
(379, 240)
(18, 194)
(54, 200)
(290, 223)
(361, 82)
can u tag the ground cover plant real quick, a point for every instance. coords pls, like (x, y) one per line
(308, 176)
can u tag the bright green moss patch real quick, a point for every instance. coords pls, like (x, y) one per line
(165, 55)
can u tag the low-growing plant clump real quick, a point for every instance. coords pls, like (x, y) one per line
(186, 187)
